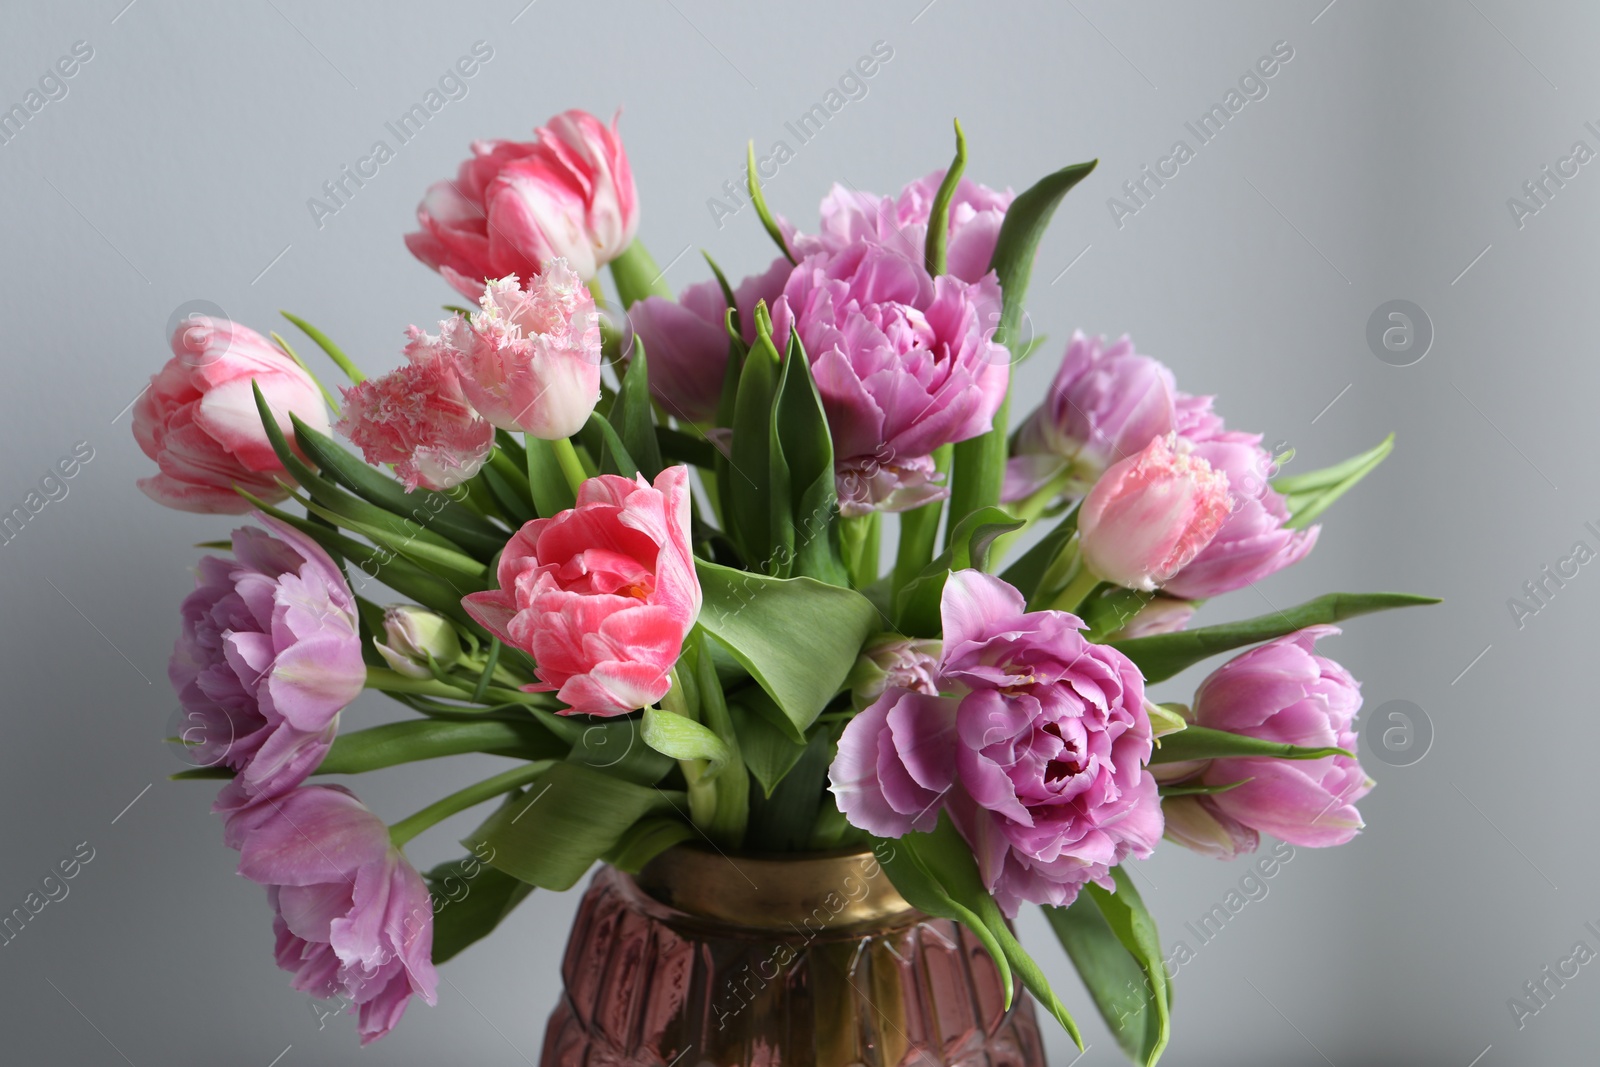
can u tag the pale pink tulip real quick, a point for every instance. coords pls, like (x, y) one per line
(198, 419)
(1151, 513)
(529, 360)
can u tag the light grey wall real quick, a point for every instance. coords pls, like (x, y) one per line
(178, 168)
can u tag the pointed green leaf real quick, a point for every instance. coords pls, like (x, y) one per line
(802, 465)
(947, 858)
(939, 214)
(979, 467)
(1163, 655)
(1114, 945)
(1199, 742)
(569, 817)
(754, 499)
(760, 202)
(1308, 495)
(470, 899)
(783, 820)
(1030, 569)
(729, 300)
(334, 352)
(768, 749)
(760, 620)
(632, 415)
(437, 511)
(917, 607)
(615, 458)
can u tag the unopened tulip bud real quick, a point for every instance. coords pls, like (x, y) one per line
(892, 661)
(413, 634)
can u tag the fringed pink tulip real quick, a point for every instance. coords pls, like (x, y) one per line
(529, 360)
(269, 655)
(198, 419)
(516, 206)
(601, 595)
(1150, 514)
(417, 418)
(353, 918)
(1035, 742)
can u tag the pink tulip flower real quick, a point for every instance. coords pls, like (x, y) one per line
(529, 360)
(851, 217)
(417, 418)
(1035, 741)
(1150, 514)
(353, 918)
(270, 653)
(515, 206)
(904, 363)
(1283, 691)
(198, 419)
(601, 595)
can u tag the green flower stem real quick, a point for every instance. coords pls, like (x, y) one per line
(571, 465)
(859, 539)
(491, 663)
(1079, 586)
(459, 801)
(507, 467)
(389, 681)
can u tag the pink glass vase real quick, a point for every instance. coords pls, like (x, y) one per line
(704, 959)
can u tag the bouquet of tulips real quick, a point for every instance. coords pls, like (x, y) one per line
(745, 567)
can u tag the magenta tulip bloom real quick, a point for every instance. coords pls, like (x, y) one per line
(686, 343)
(850, 218)
(529, 360)
(198, 419)
(354, 919)
(515, 206)
(904, 362)
(1150, 514)
(269, 654)
(1105, 405)
(1283, 691)
(1036, 744)
(1253, 542)
(601, 595)
(417, 418)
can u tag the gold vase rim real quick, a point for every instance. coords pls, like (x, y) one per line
(819, 894)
